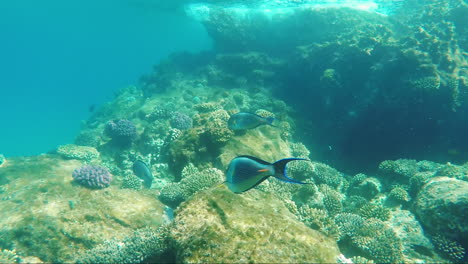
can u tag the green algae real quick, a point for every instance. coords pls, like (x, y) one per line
(208, 228)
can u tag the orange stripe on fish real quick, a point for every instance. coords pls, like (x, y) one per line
(262, 170)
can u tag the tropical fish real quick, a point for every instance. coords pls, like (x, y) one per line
(246, 172)
(143, 172)
(244, 120)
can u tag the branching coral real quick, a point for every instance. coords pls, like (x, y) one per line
(131, 181)
(318, 219)
(304, 193)
(207, 107)
(323, 173)
(192, 181)
(449, 248)
(8, 256)
(374, 211)
(378, 242)
(143, 245)
(367, 187)
(348, 224)
(354, 203)
(299, 150)
(332, 203)
(300, 170)
(398, 194)
(402, 168)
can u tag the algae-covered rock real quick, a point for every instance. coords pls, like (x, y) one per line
(263, 142)
(442, 207)
(45, 214)
(219, 226)
(416, 247)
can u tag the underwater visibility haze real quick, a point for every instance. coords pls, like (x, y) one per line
(146, 131)
(61, 58)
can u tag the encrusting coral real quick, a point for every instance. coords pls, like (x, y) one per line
(72, 151)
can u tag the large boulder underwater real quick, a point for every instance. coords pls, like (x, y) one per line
(442, 207)
(255, 227)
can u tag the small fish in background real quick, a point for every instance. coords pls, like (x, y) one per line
(91, 108)
(244, 120)
(453, 152)
(246, 172)
(143, 172)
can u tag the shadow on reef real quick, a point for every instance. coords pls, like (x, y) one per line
(368, 87)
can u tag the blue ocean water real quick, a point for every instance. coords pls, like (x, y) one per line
(368, 102)
(60, 57)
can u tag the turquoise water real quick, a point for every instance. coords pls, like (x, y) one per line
(59, 58)
(235, 131)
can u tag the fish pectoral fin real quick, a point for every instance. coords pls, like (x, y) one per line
(262, 170)
(221, 184)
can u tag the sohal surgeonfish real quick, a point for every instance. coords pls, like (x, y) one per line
(244, 120)
(246, 172)
(143, 172)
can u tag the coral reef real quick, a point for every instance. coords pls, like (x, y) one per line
(375, 211)
(218, 225)
(92, 176)
(2, 160)
(132, 182)
(299, 150)
(8, 256)
(90, 138)
(399, 194)
(143, 245)
(368, 187)
(181, 121)
(192, 181)
(122, 131)
(84, 153)
(360, 71)
(399, 170)
(451, 249)
(418, 52)
(53, 219)
(323, 173)
(377, 241)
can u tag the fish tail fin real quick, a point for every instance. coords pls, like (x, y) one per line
(280, 170)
